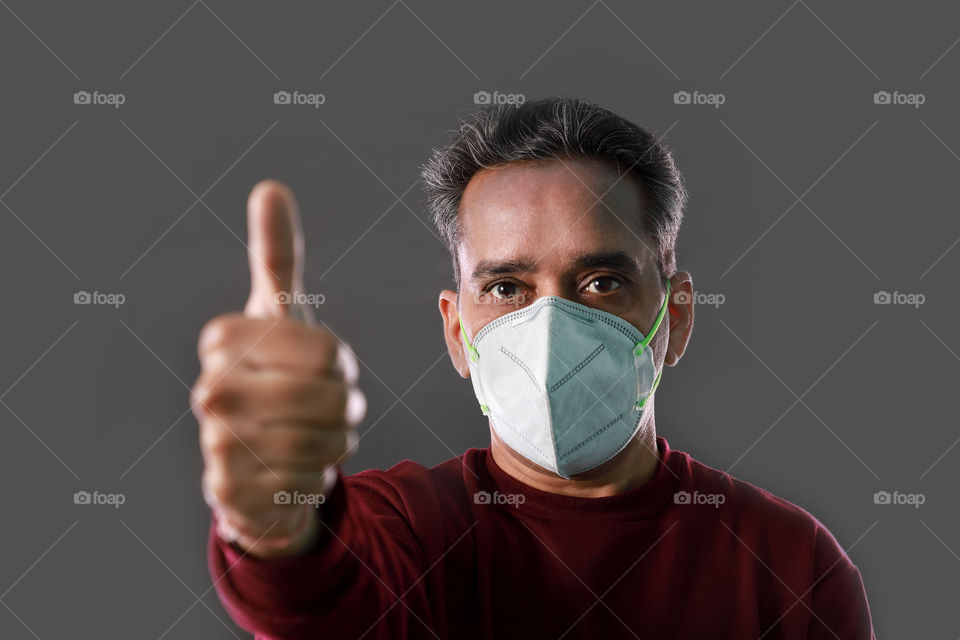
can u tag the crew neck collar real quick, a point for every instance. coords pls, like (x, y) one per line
(644, 501)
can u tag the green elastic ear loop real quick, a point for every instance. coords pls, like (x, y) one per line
(642, 345)
(473, 352)
(474, 355)
(656, 325)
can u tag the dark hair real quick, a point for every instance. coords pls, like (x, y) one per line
(547, 129)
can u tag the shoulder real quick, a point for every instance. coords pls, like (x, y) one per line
(746, 506)
(778, 537)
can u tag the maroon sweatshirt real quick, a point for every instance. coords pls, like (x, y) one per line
(463, 550)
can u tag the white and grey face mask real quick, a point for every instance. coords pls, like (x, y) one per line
(564, 385)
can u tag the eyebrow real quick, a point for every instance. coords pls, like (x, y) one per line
(489, 268)
(615, 260)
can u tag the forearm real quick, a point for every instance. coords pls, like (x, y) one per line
(345, 582)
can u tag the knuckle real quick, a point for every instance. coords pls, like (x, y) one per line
(199, 394)
(355, 406)
(218, 397)
(221, 487)
(346, 363)
(218, 333)
(218, 443)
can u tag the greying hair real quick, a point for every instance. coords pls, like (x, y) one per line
(556, 128)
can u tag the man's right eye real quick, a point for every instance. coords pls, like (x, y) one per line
(503, 290)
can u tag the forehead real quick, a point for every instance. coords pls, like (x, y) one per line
(549, 213)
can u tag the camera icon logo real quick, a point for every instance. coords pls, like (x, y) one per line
(81, 297)
(281, 97)
(282, 497)
(482, 97)
(881, 497)
(481, 497)
(282, 297)
(81, 97)
(881, 97)
(681, 497)
(81, 497)
(882, 297)
(681, 297)
(681, 97)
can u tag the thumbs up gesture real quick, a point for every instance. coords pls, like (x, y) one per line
(276, 399)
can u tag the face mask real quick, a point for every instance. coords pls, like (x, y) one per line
(564, 385)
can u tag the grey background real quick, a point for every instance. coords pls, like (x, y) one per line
(798, 383)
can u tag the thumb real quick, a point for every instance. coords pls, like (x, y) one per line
(275, 251)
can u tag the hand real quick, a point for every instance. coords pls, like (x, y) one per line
(276, 398)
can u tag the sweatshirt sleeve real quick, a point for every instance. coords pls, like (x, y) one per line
(360, 577)
(839, 607)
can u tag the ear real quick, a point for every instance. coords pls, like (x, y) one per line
(680, 313)
(451, 331)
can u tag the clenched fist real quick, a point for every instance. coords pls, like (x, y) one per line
(276, 398)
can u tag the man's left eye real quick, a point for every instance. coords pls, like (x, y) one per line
(603, 284)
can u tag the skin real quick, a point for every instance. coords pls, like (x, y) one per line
(564, 228)
(277, 400)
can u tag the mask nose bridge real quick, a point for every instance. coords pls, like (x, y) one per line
(553, 305)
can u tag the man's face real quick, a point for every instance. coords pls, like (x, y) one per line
(567, 228)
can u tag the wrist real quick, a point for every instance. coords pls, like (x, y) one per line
(299, 537)
(296, 537)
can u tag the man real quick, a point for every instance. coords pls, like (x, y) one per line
(578, 521)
